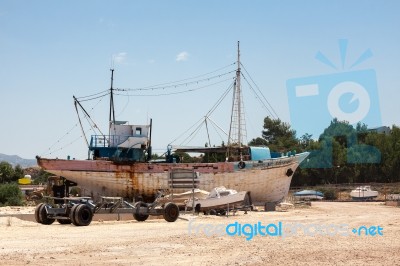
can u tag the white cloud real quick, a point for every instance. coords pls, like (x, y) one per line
(183, 56)
(120, 58)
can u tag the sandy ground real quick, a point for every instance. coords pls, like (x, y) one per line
(156, 241)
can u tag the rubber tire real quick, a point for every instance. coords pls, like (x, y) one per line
(140, 217)
(171, 212)
(64, 221)
(72, 214)
(43, 216)
(197, 208)
(83, 215)
(37, 216)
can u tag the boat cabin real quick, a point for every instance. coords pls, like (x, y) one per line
(125, 142)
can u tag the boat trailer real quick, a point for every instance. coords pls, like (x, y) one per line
(80, 210)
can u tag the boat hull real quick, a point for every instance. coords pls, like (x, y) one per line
(363, 193)
(232, 200)
(268, 181)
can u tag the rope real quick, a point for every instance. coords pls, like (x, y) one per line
(167, 84)
(274, 114)
(172, 93)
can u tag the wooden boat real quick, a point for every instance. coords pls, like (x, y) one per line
(119, 163)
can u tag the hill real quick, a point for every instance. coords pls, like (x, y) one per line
(15, 159)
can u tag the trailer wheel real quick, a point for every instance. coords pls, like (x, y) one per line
(197, 208)
(83, 215)
(140, 217)
(37, 213)
(222, 212)
(42, 215)
(171, 212)
(72, 214)
(64, 221)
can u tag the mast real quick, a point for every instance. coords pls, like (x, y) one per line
(112, 111)
(237, 130)
(239, 96)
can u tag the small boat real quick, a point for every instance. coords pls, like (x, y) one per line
(308, 195)
(220, 199)
(363, 193)
(180, 199)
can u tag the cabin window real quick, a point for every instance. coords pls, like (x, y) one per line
(138, 131)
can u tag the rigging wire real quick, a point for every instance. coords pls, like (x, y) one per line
(201, 120)
(95, 94)
(192, 135)
(58, 141)
(80, 122)
(175, 85)
(273, 113)
(172, 93)
(50, 151)
(161, 85)
(258, 97)
(125, 106)
(70, 143)
(93, 98)
(63, 147)
(217, 127)
(100, 95)
(214, 107)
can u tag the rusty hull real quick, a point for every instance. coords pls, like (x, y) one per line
(267, 181)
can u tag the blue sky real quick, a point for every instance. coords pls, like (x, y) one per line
(52, 50)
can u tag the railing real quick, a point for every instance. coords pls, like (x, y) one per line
(105, 141)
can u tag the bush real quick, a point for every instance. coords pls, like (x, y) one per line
(329, 193)
(10, 194)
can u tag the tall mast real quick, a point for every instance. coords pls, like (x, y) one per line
(239, 96)
(237, 130)
(112, 112)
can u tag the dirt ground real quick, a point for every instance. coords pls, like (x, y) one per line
(320, 234)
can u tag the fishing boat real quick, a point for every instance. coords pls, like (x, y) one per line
(119, 163)
(363, 193)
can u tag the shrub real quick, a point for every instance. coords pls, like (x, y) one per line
(329, 193)
(10, 194)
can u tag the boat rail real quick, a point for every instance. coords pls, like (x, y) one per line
(108, 141)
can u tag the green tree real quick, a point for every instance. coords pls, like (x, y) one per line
(306, 141)
(18, 173)
(6, 172)
(258, 142)
(277, 135)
